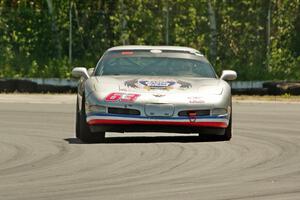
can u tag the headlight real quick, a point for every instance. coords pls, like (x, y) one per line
(219, 111)
(96, 108)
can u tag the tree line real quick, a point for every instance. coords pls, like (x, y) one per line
(260, 39)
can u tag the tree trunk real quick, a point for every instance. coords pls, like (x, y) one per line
(268, 35)
(55, 33)
(213, 32)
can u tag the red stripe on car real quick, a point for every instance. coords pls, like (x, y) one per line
(132, 122)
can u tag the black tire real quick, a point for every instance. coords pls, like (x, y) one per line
(84, 132)
(226, 137)
(77, 123)
(228, 131)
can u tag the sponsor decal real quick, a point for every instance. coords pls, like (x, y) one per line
(159, 95)
(155, 51)
(127, 52)
(121, 97)
(157, 84)
(195, 100)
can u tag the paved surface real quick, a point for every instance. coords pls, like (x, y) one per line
(40, 159)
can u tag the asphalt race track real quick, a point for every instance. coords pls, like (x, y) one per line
(40, 159)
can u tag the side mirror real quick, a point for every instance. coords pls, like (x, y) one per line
(80, 72)
(90, 71)
(228, 75)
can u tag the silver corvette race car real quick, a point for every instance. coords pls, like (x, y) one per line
(152, 89)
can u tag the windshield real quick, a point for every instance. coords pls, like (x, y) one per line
(154, 64)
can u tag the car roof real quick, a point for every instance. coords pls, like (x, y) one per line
(146, 47)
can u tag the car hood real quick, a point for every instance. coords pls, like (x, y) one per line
(157, 84)
(156, 88)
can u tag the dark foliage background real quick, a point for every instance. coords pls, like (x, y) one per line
(260, 39)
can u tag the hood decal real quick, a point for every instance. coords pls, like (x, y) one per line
(157, 84)
(131, 83)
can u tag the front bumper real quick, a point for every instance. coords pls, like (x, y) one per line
(121, 123)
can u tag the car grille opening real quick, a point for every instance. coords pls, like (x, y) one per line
(124, 111)
(197, 112)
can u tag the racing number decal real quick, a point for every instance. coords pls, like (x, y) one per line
(129, 97)
(123, 97)
(113, 97)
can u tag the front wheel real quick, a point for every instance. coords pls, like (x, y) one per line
(219, 134)
(77, 126)
(84, 132)
(228, 131)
